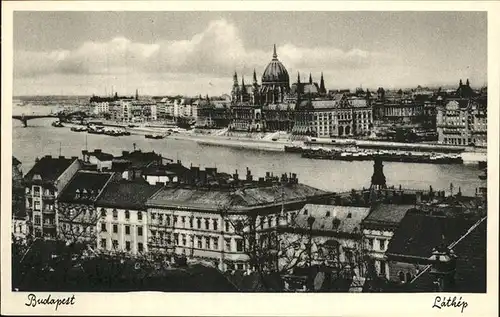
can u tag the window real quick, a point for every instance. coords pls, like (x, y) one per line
(207, 224)
(103, 243)
(184, 240)
(127, 214)
(115, 244)
(207, 242)
(198, 223)
(409, 277)
(216, 243)
(139, 231)
(183, 220)
(115, 228)
(370, 243)
(115, 214)
(199, 242)
(239, 245)
(103, 212)
(401, 276)
(103, 227)
(139, 216)
(215, 224)
(382, 244)
(140, 247)
(37, 220)
(305, 212)
(175, 220)
(153, 216)
(127, 229)
(227, 225)
(36, 190)
(240, 266)
(37, 205)
(227, 244)
(191, 222)
(167, 219)
(382, 268)
(127, 245)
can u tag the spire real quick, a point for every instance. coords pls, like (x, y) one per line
(254, 77)
(322, 88)
(298, 77)
(467, 82)
(235, 79)
(460, 83)
(137, 94)
(242, 82)
(310, 78)
(275, 56)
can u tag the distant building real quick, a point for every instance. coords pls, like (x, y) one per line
(98, 158)
(202, 221)
(76, 206)
(122, 222)
(463, 122)
(43, 185)
(325, 235)
(378, 229)
(339, 117)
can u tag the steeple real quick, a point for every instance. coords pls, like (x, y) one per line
(467, 82)
(298, 78)
(242, 83)
(322, 88)
(378, 177)
(254, 77)
(310, 78)
(137, 94)
(275, 56)
(235, 80)
(460, 83)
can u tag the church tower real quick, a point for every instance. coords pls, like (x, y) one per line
(255, 89)
(378, 178)
(310, 79)
(322, 89)
(235, 92)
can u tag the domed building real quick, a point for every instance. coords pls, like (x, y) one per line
(275, 82)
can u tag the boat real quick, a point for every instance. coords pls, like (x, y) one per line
(293, 149)
(154, 136)
(57, 124)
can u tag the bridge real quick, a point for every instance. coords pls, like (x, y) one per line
(60, 115)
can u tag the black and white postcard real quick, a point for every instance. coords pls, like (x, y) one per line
(255, 158)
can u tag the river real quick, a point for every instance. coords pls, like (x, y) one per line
(40, 139)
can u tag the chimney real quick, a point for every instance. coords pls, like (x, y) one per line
(235, 175)
(443, 267)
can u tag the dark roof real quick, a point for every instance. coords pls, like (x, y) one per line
(418, 234)
(389, 215)
(126, 194)
(470, 274)
(137, 159)
(15, 161)
(49, 168)
(85, 186)
(237, 199)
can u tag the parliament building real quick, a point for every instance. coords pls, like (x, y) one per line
(302, 108)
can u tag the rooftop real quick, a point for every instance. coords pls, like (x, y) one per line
(85, 186)
(345, 219)
(241, 198)
(15, 161)
(99, 154)
(126, 194)
(418, 234)
(387, 215)
(49, 168)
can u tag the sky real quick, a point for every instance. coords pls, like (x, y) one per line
(192, 53)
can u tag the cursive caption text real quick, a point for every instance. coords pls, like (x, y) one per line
(33, 301)
(444, 302)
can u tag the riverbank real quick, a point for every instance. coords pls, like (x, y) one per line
(218, 138)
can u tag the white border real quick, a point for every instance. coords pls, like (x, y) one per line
(195, 304)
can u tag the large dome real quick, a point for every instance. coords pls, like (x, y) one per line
(275, 72)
